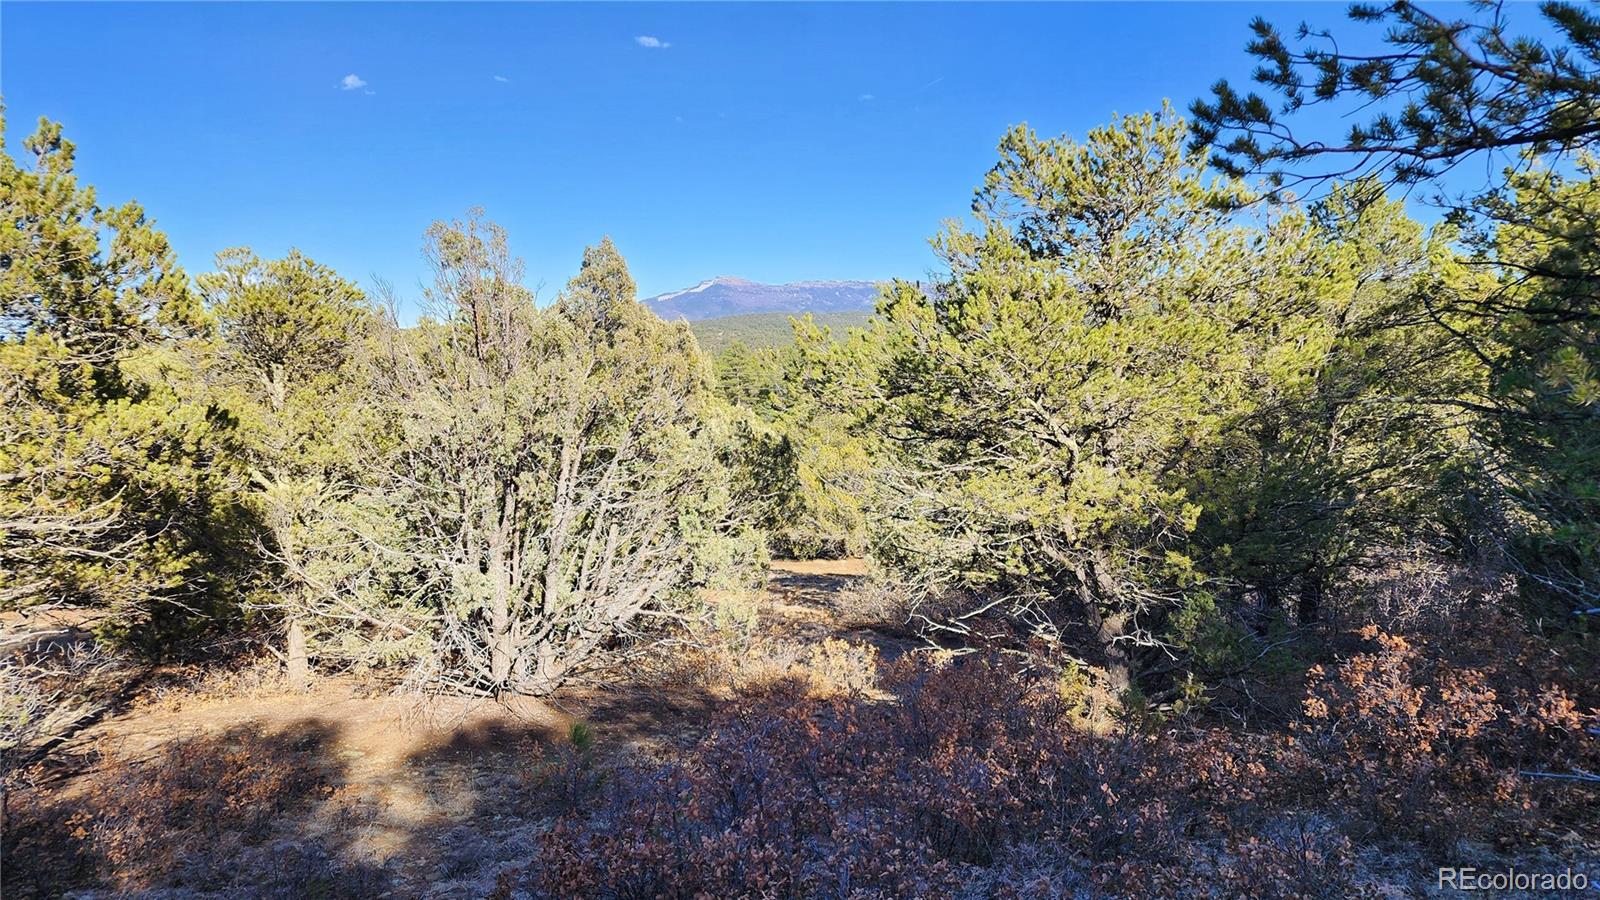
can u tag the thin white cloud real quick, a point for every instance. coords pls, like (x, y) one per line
(651, 42)
(351, 82)
(864, 98)
(502, 79)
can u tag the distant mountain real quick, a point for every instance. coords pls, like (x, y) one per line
(758, 330)
(726, 296)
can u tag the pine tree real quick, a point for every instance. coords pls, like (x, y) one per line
(1449, 90)
(1034, 415)
(290, 335)
(114, 492)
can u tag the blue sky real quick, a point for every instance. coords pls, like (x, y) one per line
(776, 142)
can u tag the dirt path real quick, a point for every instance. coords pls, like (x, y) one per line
(817, 600)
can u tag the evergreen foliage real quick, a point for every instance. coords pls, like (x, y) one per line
(1150, 414)
(552, 469)
(115, 492)
(1446, 91)
(290, 342)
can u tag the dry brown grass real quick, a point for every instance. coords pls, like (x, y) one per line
(785, 743)
(979, 778)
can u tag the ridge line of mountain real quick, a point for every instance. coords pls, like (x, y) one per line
(727, 295)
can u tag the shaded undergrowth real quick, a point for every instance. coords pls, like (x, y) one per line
(979, 776)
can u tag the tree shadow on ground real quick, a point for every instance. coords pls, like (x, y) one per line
(308, 807)
(271, 812)
(818, 589)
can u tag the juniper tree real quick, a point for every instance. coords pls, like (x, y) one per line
(550, 471)
(1127, 399)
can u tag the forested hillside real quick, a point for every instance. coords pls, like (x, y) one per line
(763, 331)
(1220, 521)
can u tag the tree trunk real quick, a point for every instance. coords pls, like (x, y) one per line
(500, 644)
(1097, 593)
(502, 648)
(1119, 667)
(295, 652)
(1308, 606)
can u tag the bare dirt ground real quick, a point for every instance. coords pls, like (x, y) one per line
(429, 801)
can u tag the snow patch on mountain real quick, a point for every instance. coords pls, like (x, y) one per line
(726, 295)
